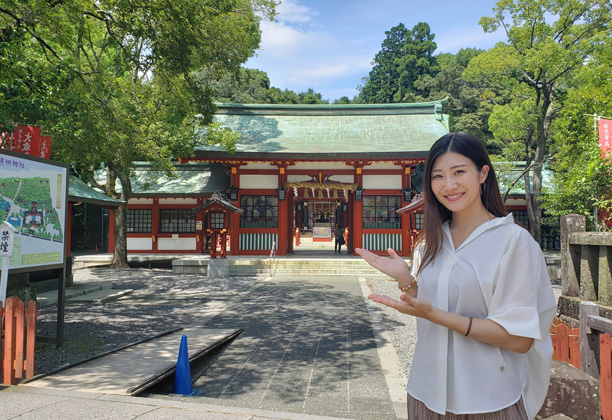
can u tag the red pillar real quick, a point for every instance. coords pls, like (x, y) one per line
(405, 217)
(357, 207)
(111, 231)
(235, 218)
(155, 224)
(283, 215)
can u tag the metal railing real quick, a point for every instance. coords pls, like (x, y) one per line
(273, 260)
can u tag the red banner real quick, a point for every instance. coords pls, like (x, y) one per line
(605, 141)
(26, 139)
(45, 147)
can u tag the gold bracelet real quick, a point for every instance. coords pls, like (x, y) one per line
(408, 288)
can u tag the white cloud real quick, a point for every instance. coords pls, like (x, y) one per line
(291, 11)
(319, 72)
(278, 39)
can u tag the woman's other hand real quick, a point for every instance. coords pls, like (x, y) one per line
(394, 267)
(408, 305)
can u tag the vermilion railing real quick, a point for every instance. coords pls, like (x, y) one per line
(18, 340)
(566, 348)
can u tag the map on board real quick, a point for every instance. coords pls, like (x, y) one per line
(32, 199)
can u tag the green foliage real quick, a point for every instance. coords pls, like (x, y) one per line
(343, 100)
(467, 110)
(528, 76)
(112, 81)
(382, 82)
(403, 67)
(250, 86)
(218, 135)
(582, 175)
(416, 64)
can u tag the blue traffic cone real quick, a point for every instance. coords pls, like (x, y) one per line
(182, 377)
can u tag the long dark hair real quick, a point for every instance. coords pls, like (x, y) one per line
(435, 213)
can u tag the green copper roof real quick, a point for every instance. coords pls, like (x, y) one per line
(192, 179)
(78, 191)
(508, 172)
(332, 131)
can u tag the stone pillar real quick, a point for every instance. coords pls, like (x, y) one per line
(589, 272)
(570, 254)
(604, 293)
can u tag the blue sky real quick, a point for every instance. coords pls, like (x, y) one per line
(329, 45)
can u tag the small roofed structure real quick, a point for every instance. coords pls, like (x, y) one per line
(218, 214)
(414, 209)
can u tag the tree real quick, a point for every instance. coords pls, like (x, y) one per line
(128, 91)
(343, 100)
(251, 86)
(403, 67)
(467, 109)
(416, 64)
(311, 97)
(382, 83)
(582, 174)
(548, 41)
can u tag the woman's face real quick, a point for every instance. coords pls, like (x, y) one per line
(455, 181)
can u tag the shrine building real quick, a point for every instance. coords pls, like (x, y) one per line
(297, 172)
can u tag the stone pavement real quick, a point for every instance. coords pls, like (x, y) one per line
(307, 347)
(48, 404)
(308, 351)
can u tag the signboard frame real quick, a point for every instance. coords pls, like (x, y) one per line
(64, 169)
(61, 265)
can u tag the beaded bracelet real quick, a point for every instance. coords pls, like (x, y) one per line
(408, 288)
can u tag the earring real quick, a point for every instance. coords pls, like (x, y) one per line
(483, 187)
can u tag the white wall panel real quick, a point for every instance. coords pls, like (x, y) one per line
(382, 182)
(347, 179)
(178, 201)
(258, 181)
(180, 244)
(139, 244)
(140, 201)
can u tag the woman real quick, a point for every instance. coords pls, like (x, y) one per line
(480, 290)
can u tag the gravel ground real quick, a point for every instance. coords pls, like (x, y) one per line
(161, 302)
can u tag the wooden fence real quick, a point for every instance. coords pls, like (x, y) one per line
(566, 343)
(17, 340)
(588, 348)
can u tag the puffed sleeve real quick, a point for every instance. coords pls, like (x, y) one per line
(522, 292)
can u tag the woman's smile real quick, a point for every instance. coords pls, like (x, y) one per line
(455, 181)
(453, 197)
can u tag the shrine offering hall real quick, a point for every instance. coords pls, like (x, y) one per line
(297, 173)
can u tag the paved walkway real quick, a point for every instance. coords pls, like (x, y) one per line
(307, 347)
(308, 351)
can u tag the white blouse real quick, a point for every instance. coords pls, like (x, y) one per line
(497, 273)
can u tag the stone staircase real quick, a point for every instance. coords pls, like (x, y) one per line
(282, 267)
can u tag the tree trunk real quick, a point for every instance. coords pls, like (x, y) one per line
(120, 254)
(543, 128)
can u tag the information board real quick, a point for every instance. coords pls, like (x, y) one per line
(33, 199)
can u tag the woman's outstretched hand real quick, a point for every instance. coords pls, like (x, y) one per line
(407, 305)
(394, 267)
